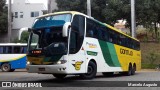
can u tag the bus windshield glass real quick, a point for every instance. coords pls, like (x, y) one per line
(51, 21)
(47, 35)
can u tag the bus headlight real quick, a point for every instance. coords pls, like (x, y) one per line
(61, 61)
(28, 63)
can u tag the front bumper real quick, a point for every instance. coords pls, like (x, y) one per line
(47, 69)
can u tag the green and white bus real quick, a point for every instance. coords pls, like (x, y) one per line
(72, 43)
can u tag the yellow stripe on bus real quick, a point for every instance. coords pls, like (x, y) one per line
(13, 59)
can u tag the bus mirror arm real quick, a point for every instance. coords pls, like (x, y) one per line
(65, 29)
(29, 29)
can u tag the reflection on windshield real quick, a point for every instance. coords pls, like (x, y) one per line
(49, 21)
(49, 39)
(34, 41)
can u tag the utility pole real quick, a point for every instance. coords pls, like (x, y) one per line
(9, 21)
(133, 24)
(49, 6)
(89, 7)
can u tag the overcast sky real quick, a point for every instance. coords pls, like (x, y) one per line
(39, 1)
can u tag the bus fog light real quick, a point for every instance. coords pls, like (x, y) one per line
(61, 61)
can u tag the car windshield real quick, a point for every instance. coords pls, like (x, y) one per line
(51, 21)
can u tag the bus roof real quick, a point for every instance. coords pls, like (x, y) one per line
(75, 12)
(63, 12)
(13, 44)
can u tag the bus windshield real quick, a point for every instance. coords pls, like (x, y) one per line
(50, 21)
(47, 34)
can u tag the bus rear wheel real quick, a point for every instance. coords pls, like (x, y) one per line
(91, 71)
(59, 76)
(133, 70)
(6, 67)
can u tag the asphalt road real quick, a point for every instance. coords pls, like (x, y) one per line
(71, 80)
(22, 75)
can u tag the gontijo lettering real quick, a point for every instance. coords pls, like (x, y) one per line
(125, 51)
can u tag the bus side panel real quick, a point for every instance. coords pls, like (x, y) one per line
(19, 63)
(126, 56)
(110, 57)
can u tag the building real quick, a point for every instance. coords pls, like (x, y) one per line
(121, 26)
(23, 15)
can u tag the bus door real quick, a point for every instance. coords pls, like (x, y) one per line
(77, 55)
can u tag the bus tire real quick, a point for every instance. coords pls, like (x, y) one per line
(12, 70)
(59, 76)
(108, 73)
(129, 72)
(91, 71)
(133, 70)
(6, 67)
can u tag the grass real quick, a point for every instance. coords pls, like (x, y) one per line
(148, 66)
(146, 49)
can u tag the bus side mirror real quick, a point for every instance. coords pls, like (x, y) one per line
(22, 30)
(66, 29)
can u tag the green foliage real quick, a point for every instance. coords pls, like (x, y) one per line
(108, 11)
(3, 17)
(24, 38)
(152, 57)
(148, 66)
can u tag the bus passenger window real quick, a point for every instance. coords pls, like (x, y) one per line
(90, 33)
(1, 49)
(16, 50)
(23, 50)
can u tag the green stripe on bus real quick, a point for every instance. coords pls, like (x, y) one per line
(113, 54)
(109, 54)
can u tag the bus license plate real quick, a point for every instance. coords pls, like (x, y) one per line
(41, 69)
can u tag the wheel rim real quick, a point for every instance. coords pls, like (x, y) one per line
(5, 67)
(90, 70)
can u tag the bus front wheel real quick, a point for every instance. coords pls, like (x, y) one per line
(91, 71)
(59, 76)
(6, 67)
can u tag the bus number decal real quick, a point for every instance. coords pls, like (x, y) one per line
(77, 65)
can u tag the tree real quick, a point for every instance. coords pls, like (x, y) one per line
(24, 38)
(107, 11)
(3, 17)
(148, 13)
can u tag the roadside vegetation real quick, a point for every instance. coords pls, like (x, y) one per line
(150, 47)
